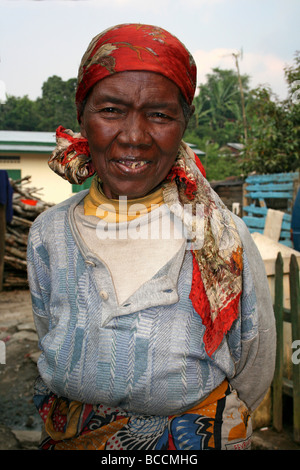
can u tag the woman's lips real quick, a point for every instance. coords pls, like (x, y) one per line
(131, 166)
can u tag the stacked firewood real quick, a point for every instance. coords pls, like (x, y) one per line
(26, 207)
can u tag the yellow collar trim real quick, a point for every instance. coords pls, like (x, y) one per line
(123, 210)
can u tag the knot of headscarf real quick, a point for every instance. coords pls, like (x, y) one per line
(71, 157)
(127, 47)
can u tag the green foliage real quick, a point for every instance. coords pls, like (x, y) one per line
(18, 114)
(292, 73)
(55, 107)
(274, 128)
(217, 121)
(218, 110)
(218, 162)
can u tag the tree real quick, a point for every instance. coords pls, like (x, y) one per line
(218, 115)
(18, 114)
(55, 107)
(292, 74)
(218, 119)
(57, 104)
(274, 135)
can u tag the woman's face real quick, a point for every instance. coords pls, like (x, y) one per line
(134, 123)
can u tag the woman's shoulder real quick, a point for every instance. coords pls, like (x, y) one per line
(46, 219)
(241, 226)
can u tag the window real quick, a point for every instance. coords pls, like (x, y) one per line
(9, 159)
(14, 174)
(80, 187)
(7, 163)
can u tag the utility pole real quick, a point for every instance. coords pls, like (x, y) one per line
(236, 55)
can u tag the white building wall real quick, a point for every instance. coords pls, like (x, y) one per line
(53, 188)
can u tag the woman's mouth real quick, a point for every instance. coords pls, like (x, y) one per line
(131, 166)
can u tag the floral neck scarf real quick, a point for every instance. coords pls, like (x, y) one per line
(217, 257)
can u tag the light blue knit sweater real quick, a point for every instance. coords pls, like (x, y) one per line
(150, 358)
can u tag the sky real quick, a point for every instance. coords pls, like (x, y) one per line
(41, 38)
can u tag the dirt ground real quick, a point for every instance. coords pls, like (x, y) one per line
(20, 424)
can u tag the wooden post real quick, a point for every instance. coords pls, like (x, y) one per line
(295, 319)
(245, 201)
(278, 310)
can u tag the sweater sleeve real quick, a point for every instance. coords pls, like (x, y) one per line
(255, 368)
(39, 279)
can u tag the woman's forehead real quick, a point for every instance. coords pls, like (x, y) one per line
(142, 86)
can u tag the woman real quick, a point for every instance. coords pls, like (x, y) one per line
(150, 298)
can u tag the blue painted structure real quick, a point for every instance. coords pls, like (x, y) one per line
(295, 224)
(273, 186)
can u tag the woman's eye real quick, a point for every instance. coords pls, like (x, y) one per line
(110, 110)
(160, 116)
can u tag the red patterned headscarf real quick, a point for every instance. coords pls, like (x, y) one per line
(126, 47)
(136, 47)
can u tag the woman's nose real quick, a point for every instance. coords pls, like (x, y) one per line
(134, 131)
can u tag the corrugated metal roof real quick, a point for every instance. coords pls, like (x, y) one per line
(236, 145)
(27, 137)
(27, 142)
(195, 149)
(26, 148)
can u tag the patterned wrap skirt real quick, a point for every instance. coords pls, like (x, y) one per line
(221, 422)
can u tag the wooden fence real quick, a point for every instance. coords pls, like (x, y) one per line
(260, 193)
(281, 384)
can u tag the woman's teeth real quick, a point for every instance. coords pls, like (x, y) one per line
(133, 165)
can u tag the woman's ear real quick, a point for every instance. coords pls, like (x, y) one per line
(192, 110)
(190, 113)
(82, 127)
